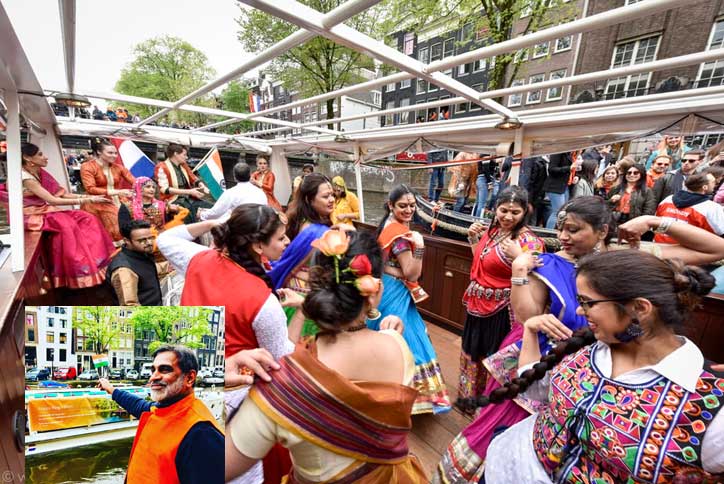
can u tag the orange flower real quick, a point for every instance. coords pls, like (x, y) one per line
(332, 243)
(367, 285)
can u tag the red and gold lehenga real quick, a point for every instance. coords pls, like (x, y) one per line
(487, 301)
(77, 249)
(365, 423)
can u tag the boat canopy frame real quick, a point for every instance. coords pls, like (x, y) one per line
(693, 110)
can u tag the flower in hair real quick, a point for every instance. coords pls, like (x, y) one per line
(332, 243)
(367, 285)
(360, 265)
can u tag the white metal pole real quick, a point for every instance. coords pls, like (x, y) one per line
(67, 27)
(15, 185)
(358, 180)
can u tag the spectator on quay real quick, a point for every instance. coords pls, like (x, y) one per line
(437, 175)
(242, 193)
(584, 184)
(673, 181)
(673, 146)
(632, 198)
(97, 113)
(658, 169)
(111, 114)
(693, 206)
(602, 155)
(121, 115)
(556, 185)
(606, 182)
(136, 118)
(483, 186)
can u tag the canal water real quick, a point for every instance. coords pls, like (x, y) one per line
(97, 464)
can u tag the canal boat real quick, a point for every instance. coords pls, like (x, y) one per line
(60, 419)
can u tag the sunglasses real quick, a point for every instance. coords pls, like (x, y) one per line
(633, 172)
(587, 304)
(688, 160)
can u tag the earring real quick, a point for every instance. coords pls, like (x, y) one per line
(632, 331)
(373, 314)
(597, 247)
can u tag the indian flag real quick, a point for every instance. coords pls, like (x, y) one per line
(100, 360)
(209, 169)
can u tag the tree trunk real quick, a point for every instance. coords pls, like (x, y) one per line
(330, 112)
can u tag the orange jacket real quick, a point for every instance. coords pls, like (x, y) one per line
(159, 434)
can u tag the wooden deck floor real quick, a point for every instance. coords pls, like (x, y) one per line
(431, 434)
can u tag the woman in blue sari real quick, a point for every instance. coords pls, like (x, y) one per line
(309, 218)
(403, 251)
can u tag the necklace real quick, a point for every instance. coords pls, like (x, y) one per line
(359, 327)
(492, 242)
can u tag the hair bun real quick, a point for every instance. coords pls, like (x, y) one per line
(694, 280)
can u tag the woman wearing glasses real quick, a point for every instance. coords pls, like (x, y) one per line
(632, 198)
(627, 399)
(546, 285)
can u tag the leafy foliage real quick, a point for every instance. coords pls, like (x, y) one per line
(99, 326)
(235, 97)
(173, 324)
(166, 68)
(319, 65)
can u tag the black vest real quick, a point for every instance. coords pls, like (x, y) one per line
(149, 290)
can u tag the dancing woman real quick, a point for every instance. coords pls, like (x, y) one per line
(264, 178)
(77, 248)
(487, 298)
(309, 218)
(102, 176)
(626, 401)
(403, 252)
(356, 429)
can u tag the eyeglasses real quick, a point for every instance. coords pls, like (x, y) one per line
(688, 160)
(587, 304)
(633, 172)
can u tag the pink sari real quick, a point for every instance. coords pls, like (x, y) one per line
(77, 248)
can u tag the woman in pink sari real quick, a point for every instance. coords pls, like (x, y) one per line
(77, 248)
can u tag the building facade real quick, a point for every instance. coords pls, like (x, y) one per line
(55, 337)
(31, 337)
(207, 354)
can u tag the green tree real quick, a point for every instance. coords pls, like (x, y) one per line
(99, 325)
(173, 324)
(493, 19)
(166, 68)
(235, 97)
(319, 65)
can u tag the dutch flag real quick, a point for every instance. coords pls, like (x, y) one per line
(133, 158)
(254, 104)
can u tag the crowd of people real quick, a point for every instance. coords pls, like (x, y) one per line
(569, 363)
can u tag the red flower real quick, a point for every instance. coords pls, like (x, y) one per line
(360, 265)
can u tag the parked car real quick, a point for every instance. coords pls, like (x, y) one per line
(37, 374)
(219, 372)
(205, 372)
(116, 374)
(132, 375)
(65, 373)
(147, 370)
(88, 375)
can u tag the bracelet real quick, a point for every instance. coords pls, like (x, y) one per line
(519, 281)
(418, 253)
(473, 239)
(665, 225)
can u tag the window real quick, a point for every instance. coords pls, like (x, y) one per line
(389, 118)
(526, 11)
(63, 323)
(444, 110)
(432, 113)
(475, 106)
(390, 87)
(421, 86)
(541, 50)
(432, 87)
(50, 337)
(409, 43)
(712, 73)
(405, 115)
(534, 97)
(462, 108)
(63, 337)
(376, 98)
(480, 65)
(521, 55)
(515, 99)
(563, 44)
(405, 84)
(51, 322)
(62, 356)
(465, 69)
(31, 335)
(556, 93)
(424, 55)
(420, 114)
(466, 33)
(448, 48)
(626, 54)
(436, 52)
(49, 354)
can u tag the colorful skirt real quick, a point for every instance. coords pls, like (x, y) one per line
(464, 459)
(396, 301)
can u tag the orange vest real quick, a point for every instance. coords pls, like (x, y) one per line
(159, 434)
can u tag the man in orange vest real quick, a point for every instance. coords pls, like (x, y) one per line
(178, 440)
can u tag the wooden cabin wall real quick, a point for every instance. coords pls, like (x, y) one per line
(12, 380)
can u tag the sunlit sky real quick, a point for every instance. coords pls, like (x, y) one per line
(107, 32)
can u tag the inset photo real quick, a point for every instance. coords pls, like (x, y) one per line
(118, 394)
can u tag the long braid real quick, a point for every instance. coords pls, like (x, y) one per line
(516, 386)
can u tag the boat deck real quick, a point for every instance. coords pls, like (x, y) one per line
(431, 434)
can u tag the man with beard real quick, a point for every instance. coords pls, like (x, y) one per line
(658, 169)
(673, 181)
(178, 440)
(132, 273)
